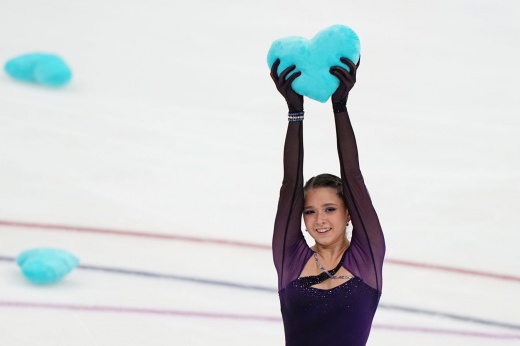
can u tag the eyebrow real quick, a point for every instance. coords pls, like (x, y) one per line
(325, 205)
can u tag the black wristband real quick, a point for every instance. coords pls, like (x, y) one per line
(340, 106)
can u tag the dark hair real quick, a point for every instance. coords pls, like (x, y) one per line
(326, 180)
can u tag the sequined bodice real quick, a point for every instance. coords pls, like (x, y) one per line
(306, 313)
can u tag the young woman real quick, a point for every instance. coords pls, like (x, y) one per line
(329, 292)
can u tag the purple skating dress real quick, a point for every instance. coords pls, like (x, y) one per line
(342, 315)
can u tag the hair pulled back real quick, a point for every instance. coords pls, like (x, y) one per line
(326, 180)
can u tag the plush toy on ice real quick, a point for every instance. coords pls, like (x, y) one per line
(39, 68)
(45, 265)
(315, 57)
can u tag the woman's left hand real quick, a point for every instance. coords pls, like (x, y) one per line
(346, 83)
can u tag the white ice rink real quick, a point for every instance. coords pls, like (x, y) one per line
(159, 166)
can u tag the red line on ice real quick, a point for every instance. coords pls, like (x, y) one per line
(453, 269)
(106, 231)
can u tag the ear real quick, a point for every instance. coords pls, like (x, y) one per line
(347, 214)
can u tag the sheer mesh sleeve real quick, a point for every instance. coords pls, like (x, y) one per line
(367, 248)
(290, 250)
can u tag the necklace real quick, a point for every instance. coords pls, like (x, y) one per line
(334, 271)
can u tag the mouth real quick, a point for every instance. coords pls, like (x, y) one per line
(323, 230)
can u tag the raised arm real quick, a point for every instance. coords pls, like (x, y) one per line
(288, 242)
(367, 244)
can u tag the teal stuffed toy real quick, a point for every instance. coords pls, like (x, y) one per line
(46, 266)
(39, 68)
(315, 57)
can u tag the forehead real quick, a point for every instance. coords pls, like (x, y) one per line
(322, 195)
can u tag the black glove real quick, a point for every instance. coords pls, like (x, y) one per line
(346, 83)
(293, 99)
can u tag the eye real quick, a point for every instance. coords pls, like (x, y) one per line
(308, 212)
(330, 209)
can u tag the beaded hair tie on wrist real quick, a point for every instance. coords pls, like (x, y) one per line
(296, 116)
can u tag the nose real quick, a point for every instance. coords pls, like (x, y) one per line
(321, 218)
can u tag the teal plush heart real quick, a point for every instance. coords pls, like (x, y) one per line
(315, 57)
(46, 265)
(39, 68)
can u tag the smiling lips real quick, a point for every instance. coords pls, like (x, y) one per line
(323, 230)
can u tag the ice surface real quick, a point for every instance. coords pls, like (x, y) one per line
(172, 126)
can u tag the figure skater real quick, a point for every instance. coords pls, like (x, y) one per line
(329, 292)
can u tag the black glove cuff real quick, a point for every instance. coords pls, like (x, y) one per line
(293, 109)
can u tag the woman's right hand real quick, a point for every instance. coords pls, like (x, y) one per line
(284, 86)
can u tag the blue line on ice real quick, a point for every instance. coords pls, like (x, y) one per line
(400, 308)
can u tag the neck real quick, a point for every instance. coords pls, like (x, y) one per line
(333, 251)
